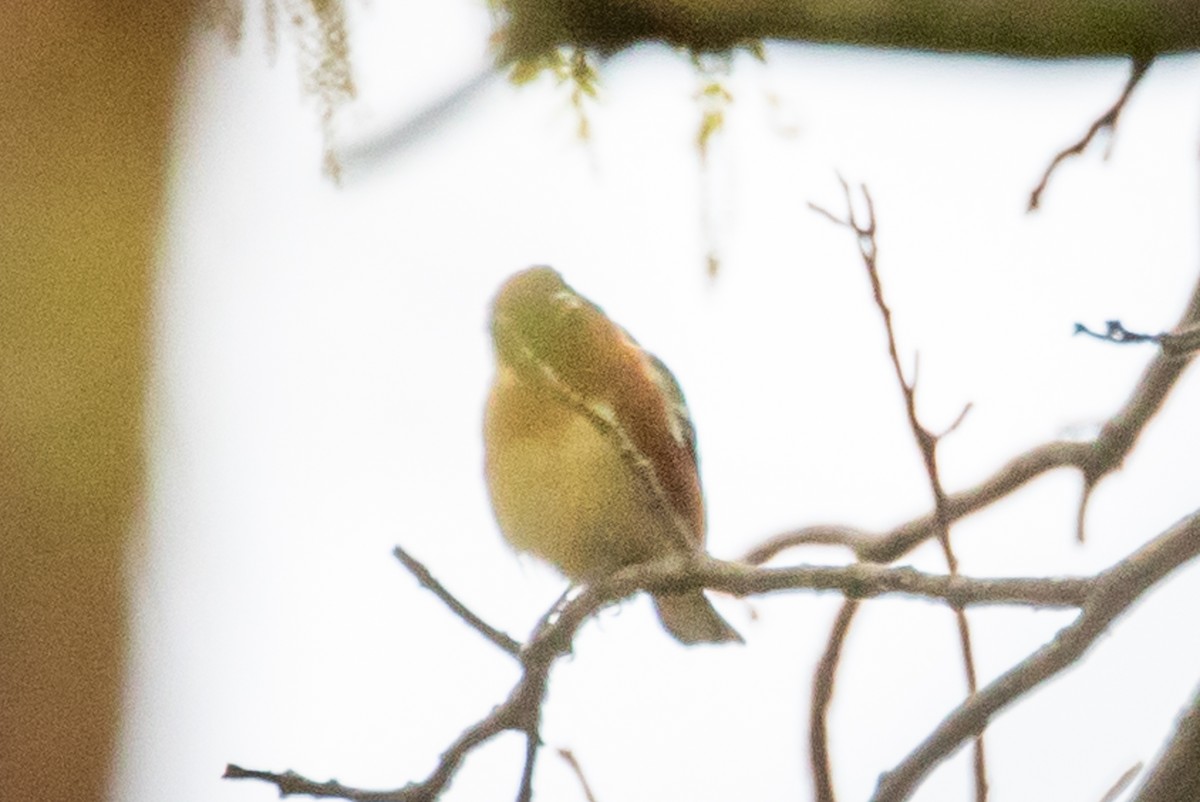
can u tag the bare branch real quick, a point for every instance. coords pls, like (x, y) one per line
(1176, 775)
(422, 574)
(1182, 342)
(1105, 122)
(858, 581)
(569, 756)
(822, 695)
(1115, 591)
(290, 783)
(533, 743)
(427, 122)
(1178, 343)
(816, 535)
(894, 544)
(979, 758)
(521, 712)
(1120, 433)
(1115, 332)
(1095, 459)
(1102, 597)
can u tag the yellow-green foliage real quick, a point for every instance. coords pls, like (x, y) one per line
(569, 66)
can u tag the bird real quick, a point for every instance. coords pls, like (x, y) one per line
(590, 453)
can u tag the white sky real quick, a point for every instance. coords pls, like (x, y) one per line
(323, 359)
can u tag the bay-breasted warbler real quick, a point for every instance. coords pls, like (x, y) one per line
(590, 452)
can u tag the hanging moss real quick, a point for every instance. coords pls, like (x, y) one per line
(318, 30)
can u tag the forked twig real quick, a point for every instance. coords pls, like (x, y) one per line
(521, 711)
(1106, 121)
(927, 443)
(1094, 458)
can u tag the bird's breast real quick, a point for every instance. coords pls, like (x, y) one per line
(560, 487)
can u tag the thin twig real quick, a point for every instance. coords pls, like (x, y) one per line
(1122, 783)
(1115, 591)
(822, 696)
(1115, 332)
(962, 416)
(1106, 121)
(427, 581)
(1174, 343)
(895, 543)
(849, 537)
(521, 712)
(403, 134)
(533, 740)
(289, 783)
(979, 756)
(569, 756)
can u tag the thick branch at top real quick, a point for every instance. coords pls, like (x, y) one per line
(1027, 28)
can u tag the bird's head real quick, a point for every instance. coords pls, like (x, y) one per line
(539, 321)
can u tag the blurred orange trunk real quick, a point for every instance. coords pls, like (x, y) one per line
(86, 91)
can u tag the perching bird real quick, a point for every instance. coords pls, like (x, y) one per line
(590, 452)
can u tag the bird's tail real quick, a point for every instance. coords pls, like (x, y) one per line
(690, 617)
